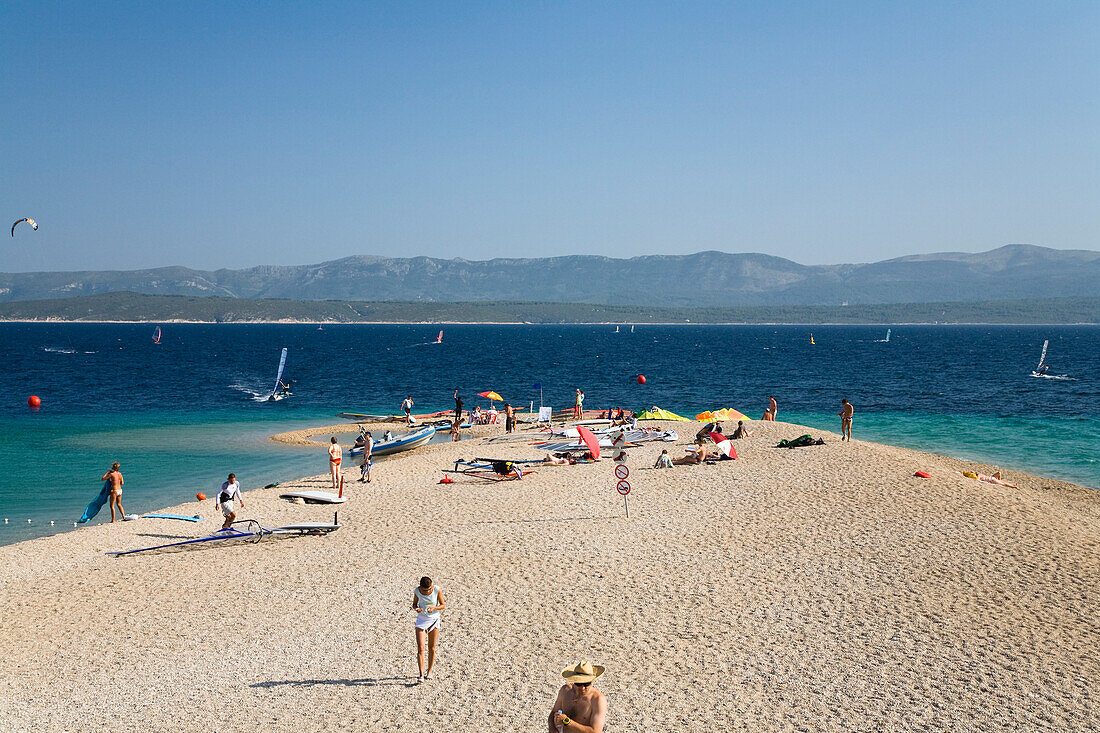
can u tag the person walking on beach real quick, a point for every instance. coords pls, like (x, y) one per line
(846, 412)
(407, 407)
(456, 430)
(579, 707)
(509, 418)
(335, 453)
(368, 447)
(773, 406)
(428, 603)
(578, 406)
(114, 476)
(229, 493)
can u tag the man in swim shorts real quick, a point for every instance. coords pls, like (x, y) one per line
(115, 497)
(579, 707)
(407, 407)
(228, 496)
(846, 412)
(368, 447)
(509, 418)
(773, 406)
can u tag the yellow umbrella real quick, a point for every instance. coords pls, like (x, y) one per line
(490, 395)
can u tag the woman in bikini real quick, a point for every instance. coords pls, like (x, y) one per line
(428, 603)
(335, 453)
(698, 454)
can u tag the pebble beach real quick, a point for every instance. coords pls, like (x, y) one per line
(820, 588)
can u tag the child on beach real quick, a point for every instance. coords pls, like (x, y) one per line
(664, 460)
(428, 603)
(115, 477)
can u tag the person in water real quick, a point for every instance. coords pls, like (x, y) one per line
(368, 447)
(335, 453)
(114, 476)
(741, 431)
(229, 495)
(428, 603)
(846, 412)
(579, 707)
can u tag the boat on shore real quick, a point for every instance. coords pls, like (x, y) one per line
(399, 443)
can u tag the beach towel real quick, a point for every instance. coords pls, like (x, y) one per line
(97, 503)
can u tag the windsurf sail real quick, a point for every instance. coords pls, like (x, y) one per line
(279, 376)
(887, 337)
(439, 338)
(156, 335)
(1043, 356)
(252, 531)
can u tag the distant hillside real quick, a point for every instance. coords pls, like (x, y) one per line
(167, 308)
(704, 279)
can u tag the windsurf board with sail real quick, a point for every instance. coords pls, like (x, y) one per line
(439, 338)
(279, 391)
(249, 530)
(156, 335)
(1042, 369)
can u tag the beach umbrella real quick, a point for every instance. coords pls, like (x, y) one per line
(490, 395)
(724, 445)
(728, 413)
(590, 440)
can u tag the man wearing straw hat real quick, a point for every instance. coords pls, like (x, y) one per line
(580, 707)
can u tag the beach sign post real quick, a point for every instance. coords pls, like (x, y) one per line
(622, 471)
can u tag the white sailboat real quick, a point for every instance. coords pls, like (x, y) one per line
(616, 329)
(280, 391)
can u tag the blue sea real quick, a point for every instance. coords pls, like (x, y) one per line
(181, 414)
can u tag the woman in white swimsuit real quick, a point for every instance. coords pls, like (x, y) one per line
(428, 603)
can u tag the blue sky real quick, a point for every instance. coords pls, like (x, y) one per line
(229, 135)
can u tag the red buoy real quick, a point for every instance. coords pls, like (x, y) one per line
(200, 496)
(446, 480)
(33, 401)
(641, 379)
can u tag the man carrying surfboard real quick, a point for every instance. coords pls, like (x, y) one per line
(228, 494)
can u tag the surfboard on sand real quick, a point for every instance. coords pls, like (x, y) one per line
(314, 497)
(181, 517)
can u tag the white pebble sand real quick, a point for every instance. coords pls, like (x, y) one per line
(820, 588)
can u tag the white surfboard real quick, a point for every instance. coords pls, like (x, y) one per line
(314, 497)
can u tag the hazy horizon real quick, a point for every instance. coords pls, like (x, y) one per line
(143, 136)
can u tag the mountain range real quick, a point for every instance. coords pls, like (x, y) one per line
(704, 279)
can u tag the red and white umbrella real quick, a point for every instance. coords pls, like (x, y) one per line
(590, 440)
(724, 445)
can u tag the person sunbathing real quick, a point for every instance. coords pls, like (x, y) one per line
(741, 431)
(696, 454)
(563, 459)
(994, 479)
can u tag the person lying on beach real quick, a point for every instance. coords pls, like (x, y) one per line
(741, 431)
(697, 454)
(994, 479)
(664, 460)
(559, 459)
(579, 707)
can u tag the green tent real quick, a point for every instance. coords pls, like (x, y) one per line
(656, 413)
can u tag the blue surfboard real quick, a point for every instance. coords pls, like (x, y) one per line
(97, 503)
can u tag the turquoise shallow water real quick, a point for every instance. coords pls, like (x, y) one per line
(182, 414)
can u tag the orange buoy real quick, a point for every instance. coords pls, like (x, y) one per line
(34, 401)
(200, 496)
(641, 379)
